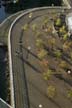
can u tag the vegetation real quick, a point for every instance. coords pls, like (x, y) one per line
(30, 15)
(42, 54)
(34, 27)
(47, 75)
(69, 94)
(54, 58)
(51, 50)
(51, 91)
(58, 22)
(65, 36)
(63, 64)
(25, 27)
(39, 43)
(39, 34)
(58, 53)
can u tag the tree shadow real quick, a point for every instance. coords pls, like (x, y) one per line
(50, 51)
(64, 55)
(59, 76)
(26, 95)
(31, 53)
(29, 64)
(42, 93)
(66, 59)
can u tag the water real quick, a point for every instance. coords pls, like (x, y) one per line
(3, 14)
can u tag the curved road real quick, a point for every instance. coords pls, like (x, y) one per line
(26, 94)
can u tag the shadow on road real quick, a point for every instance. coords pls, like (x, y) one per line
(31, 53)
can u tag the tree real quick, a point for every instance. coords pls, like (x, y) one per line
(47, 75)
(65, 36)
(51, 42)
(42, 54)
(69, 94)
(63, 64)
(67, 45)
(34, 27)
(44, 63)
(62, 30)
(25, 27)
(39, 43)
(58, 22)
(58, 53)
(38, 34)
(51, 91)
